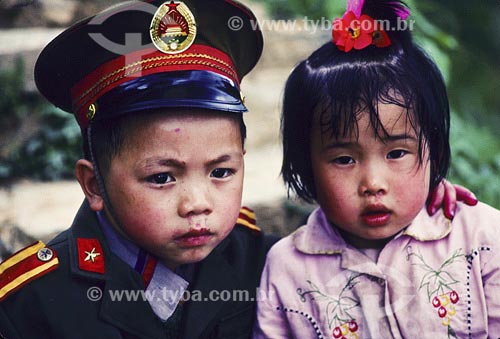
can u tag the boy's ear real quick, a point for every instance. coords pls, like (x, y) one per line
(84, 171)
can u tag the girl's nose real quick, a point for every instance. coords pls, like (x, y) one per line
(194, 200)
(374, 181)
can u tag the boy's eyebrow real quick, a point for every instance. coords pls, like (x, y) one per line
(170, 162)
(223, 158)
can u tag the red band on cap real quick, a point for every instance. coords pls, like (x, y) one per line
(142, 63)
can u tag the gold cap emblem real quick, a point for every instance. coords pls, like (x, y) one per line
(173, 28)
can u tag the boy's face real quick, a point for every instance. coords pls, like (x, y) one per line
(368, 187)
(176, 184)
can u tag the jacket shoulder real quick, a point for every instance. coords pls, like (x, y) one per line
(247, 244)
(246, 219)
(26, 265)
(246, 228)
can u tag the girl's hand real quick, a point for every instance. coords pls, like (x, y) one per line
(446, 195)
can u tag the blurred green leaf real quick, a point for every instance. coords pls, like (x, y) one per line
(475, 159)
(51, 145)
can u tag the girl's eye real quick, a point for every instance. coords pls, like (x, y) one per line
(220, 173)
(396, 154)
(345, 160)
(161, 178)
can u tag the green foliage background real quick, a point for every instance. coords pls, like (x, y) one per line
(46, 152)
(463, 38)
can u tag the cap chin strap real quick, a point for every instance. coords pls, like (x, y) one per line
(100, 182)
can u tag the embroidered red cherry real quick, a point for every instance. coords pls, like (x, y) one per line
(436, 302)
(353, 326)
(454, 297)
(442, 312)
(337, 332)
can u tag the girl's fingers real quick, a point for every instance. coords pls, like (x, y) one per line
(446, 195)
(450, 200)
(465, 195)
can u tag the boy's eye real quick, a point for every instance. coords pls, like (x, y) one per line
(396, 154)
(161, 178)
(345, 160)
(221, 173)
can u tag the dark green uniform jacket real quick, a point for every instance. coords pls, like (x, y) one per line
(56, 305)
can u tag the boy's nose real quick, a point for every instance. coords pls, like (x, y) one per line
(194, 200)
(373, 182)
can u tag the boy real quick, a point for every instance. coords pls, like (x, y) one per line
(163, 134)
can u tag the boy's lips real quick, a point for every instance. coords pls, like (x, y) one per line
(376, 215)
(195, 237)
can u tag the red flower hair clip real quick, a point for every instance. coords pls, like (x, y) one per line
(358, 32)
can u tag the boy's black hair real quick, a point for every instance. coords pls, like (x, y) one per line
(108, 137)
(334, 87)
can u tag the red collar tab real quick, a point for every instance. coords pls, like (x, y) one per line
(90, 255)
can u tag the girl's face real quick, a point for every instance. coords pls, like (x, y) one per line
(176, 184)
(371, 187)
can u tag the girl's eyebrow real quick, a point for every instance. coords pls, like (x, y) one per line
(341, 144)
(385, 139)
(397, 137)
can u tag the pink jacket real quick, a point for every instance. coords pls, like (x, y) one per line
(436, 279)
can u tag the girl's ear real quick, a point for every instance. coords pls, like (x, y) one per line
(84, 171)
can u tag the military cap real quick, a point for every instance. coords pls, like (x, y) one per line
(144, 55)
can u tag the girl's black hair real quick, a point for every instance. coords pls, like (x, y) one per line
(334, 87)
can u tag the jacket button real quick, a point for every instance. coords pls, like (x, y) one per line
(44, 254)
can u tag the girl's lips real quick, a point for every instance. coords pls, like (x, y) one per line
(375, 219)
(195, 237)
(376, 215)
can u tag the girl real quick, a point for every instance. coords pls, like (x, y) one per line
(365, 135)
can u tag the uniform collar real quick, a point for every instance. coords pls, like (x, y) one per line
(166, 286)
(136, 318)
(86, 230)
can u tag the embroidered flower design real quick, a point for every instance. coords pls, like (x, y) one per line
(437, 283)
(445, 305)
(358, 33)
(340, 321)
(346, 330)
